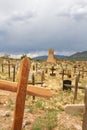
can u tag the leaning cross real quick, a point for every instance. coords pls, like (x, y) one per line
(22, 89)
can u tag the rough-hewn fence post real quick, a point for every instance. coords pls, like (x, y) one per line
(76, 88)
(2, 68)
(9, 68)
(84, 127)
(21, 94)
(13, 73)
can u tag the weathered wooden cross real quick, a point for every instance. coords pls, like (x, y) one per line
(22, 89)
(64, 72)
(74, 86)
(52, 71)
(39, 82)
(9, 67)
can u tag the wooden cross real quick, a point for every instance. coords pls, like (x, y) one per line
(52, 69)
(75, 86)
(75, 69)
(9, 66)
(22, 89)
(63, 73)
(39, 82)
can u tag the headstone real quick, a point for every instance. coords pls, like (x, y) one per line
(66, 82)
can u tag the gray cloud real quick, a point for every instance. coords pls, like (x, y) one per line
(21, 17)
(35, 27)
(77, 11)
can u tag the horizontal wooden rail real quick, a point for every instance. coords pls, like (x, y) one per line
(73, 86)
(31, 90)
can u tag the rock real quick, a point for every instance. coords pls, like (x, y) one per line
(27, 110)
(5, 114)
(25, 123)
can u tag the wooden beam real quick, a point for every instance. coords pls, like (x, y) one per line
(39, 91)
(84, 125)
(73, 86)
(31, 90)
(21, 94)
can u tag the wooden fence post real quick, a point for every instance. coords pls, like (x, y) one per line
(9, 68)
(76, 87)
(2, 68)
(84, 125)
(13, 73)
(42, 77)
(21, 94)
(33, 82)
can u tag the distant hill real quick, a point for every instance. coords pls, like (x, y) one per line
(76, 56)
(79, 56)
(45, 57)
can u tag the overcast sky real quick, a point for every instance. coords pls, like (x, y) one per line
(34, 26)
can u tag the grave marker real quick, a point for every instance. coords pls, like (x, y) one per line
(52, 71)
(21, 94)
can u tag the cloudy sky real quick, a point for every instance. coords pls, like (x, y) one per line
(34, 26)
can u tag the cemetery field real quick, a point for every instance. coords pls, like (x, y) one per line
(45, 113)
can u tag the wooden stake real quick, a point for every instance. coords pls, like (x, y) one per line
(21, 94)
(76, 87)
(84, 125)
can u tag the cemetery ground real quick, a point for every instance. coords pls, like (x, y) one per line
(43, 113)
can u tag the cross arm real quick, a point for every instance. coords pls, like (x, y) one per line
(31, 90)
(73, 86)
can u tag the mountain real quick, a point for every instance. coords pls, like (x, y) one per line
(45, 57)
(76, 56)
(79, 56)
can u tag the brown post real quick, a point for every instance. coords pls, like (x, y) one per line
(75, 69)
(42, 77)
(33, 79)
(33, 67)
(21, 94)
(76, 87)
(69, 73)
(2, 68)
(9, 68)
(13, 73)
(63, 75)
(82, 72)
(36, 67)
(33, 82)
(84, 125)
